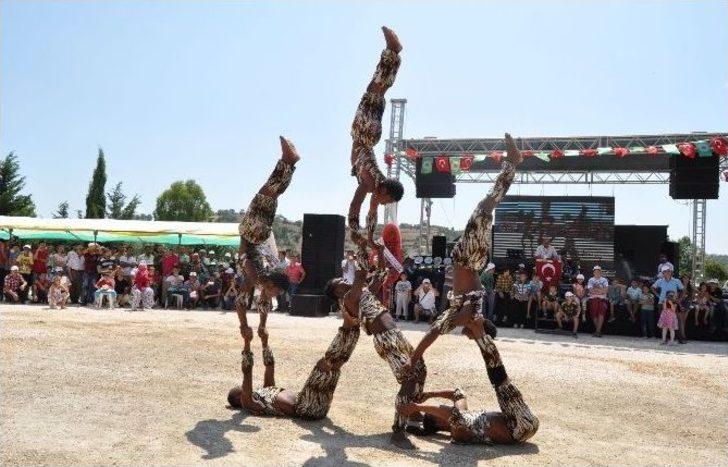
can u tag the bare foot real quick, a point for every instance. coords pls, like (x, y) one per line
(392, 40)
(399, 439)
(513, 154)
(289, 153)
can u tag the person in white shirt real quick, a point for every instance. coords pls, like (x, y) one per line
(348, 267)
(663, 263)
(74, 265)
(403, 294)
(425, 301)
(546, 251)
(598, 305)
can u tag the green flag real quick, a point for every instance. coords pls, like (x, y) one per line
(455, 165)
(427, 165)
(704, 149)
(602, 151)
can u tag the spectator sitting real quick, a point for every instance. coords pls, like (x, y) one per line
(715, 297)
(142, 292)
(535, 287)
(228, 298)
(647, 312)
(634, 294)
(57, 293)
(211, 294)
(193, 287)
(550, 301)
(40, 288)
(702, 305)
(615, 294)
(569, 311)
(425, 305)
(14, 285)
(105, 288)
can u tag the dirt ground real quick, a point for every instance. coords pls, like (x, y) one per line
(112, 387)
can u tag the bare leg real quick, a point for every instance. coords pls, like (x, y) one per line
(269, 362)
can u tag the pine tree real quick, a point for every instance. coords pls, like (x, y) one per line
(118, 207)
(12, 203)
(96, 198)
(62, 211)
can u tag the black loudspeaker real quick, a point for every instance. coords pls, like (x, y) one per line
(672, 251)
(434, 184)
(310, 305)
(439, 246)
(322, 250)
(637, 249)
(695, 178)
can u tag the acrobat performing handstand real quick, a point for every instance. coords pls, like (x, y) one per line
(255, 228)
(366, 130)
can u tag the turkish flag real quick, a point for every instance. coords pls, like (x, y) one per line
(549, 271)
(652, 150)
(466, 162)
(687, 150)
(589, 152)
(557, 154)
(442, 163)
(496, 156)
(621, 152)
(411, 153)
(719, 145)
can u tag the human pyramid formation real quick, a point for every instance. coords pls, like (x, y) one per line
(361, 308)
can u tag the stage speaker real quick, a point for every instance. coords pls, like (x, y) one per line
(310, 305)
(434, 184)
(695, 178)
(672, 251)
(439, 246)
(322, 250)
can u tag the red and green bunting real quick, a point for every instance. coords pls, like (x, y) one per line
(444, 163)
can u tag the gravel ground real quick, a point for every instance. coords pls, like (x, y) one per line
(82, 386)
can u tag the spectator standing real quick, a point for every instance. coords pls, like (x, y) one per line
(403, 295)
(13, 286)
(598, 305)
(503, 288)
(487, 279)
(282, 265)
(170, 260)
(425, 305)
(546, 251)
(348, 267)
(579, 289)
(647, 312)
(59, 259)
(666, 284)
(663, 264)
(75, 273)
(90, 272)
(296, 274)
(147, 256)
(40, 260)
(668, 318)
(4, 261)
(634, 295)
(521, 294)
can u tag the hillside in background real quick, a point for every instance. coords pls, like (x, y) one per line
(288, 233)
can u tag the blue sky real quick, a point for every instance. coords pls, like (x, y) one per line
(177, 90)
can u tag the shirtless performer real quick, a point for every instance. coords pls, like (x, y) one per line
(314, 400)
(470, 256)
(389, 341)
(514, 424)
(366, 131)
(255, 228)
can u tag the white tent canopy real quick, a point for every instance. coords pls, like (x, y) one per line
(114, 225)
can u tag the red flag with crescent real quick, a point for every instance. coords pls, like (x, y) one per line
(549, 271)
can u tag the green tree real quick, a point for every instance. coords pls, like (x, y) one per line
(685, 247)
(227, 215)
(62, 211)
(183, 201)
(96, 197)
(118, 208)
(715, 270)
(12, 202)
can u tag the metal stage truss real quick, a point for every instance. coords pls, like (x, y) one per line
(639, 170)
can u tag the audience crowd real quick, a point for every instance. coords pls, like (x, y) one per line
(138, 277)
(142, 277)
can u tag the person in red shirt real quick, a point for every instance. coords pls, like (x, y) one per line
(296, 274)
(170, 260)
(40, 260)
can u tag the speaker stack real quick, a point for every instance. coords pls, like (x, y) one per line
(434, 184)
(439, 246)
(322, 250)
(695, 178)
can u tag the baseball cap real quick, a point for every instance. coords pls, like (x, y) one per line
(228, 255)
(710, 281)
(597, 267)
(13, 268)
(211, 252)
(26, 246)
(665, 268)
(490, 267)
(521, 266)
(580, 276)
(229, 270)
(193, 274)
(568, 294)
(426, 281)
